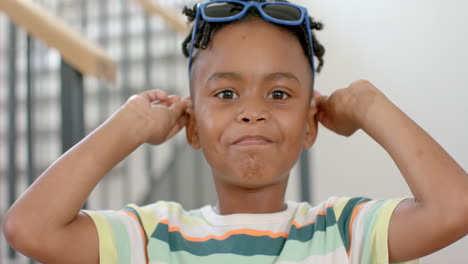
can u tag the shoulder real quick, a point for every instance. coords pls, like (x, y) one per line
(362, 223)
(347, 210)
(344, 212)
(160, 209)
(162, 212)
(336, 206)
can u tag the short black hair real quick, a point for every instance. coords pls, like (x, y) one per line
(207, 30)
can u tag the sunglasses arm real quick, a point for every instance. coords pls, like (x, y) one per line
(194, 34)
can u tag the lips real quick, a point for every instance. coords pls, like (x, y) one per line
(252, 140)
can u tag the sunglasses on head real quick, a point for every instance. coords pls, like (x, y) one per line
(275, 12)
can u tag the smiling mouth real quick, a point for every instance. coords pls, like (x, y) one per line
(252, 141)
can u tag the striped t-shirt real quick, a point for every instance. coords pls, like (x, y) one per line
(340, 230)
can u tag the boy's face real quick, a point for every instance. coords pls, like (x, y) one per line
(251, 94)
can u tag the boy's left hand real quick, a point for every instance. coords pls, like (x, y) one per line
(437, 215)
(345, 110)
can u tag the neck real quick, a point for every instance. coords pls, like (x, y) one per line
(240, 200)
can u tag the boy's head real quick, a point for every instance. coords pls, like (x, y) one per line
(280, 12)
(251, 86)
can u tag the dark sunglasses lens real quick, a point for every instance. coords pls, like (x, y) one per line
(283, 12)
(223, 9)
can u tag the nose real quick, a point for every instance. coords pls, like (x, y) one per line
(252, 119)
(253, 111)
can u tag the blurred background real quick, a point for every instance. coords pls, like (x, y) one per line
(53, 93)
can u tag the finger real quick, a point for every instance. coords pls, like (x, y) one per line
(154, 95)
(174, 98)
(322, 102)
(326, 121)
(161, 104)
(168, 101)
(182, 121)
(319, 116)
(177, 127)
(315, 98)
(179, 108)
(188, 99)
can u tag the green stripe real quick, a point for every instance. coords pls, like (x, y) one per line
(369, 224)
(157, 246)
(122, 242)
(345, 218)
(158, 250)
(243, 244)
(307, 232)
(323, 243)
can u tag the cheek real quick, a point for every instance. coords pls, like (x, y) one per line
(210, 126)
(293, 132)
(293, 127)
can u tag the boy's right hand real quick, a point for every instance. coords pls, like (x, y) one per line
(345, 110)
(41, 226)
(161, 116)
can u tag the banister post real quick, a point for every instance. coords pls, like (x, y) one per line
(305, 175)
(72, 106)
(12, 117)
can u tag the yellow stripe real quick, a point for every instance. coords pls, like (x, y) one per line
(107, 250)
(150, 221)
(147, 216)
(339, 205)
(380, 231)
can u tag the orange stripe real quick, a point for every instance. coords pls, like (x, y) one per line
(141, 230)
(250, 232)
(297, 225)
(353, 216)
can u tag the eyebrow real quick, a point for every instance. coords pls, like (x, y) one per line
(268, 76)
(225, 75)
(281, 75)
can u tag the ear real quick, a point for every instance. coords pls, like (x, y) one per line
(311, 124)
(191, 129)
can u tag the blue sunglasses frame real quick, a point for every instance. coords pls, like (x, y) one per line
(247, 5)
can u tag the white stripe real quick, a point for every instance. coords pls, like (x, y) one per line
(206, 229)
(175, 214)
(358, 234)
(137, 252)
(337, 256)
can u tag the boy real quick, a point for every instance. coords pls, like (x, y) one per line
(252, 110)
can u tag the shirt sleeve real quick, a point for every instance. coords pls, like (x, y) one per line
(121, 237)
(368, 222)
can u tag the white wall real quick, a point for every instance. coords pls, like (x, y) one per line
(416, 52)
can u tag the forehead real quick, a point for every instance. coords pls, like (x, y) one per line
(253, 48)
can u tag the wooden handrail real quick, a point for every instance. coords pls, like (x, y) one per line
(75, 49)
(170, 16)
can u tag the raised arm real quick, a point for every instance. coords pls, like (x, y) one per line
(438, 214)
(45, 223)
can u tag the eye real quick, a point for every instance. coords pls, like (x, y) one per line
(278, 95)
(227, 95)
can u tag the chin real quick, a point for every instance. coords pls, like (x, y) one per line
(254, 178)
